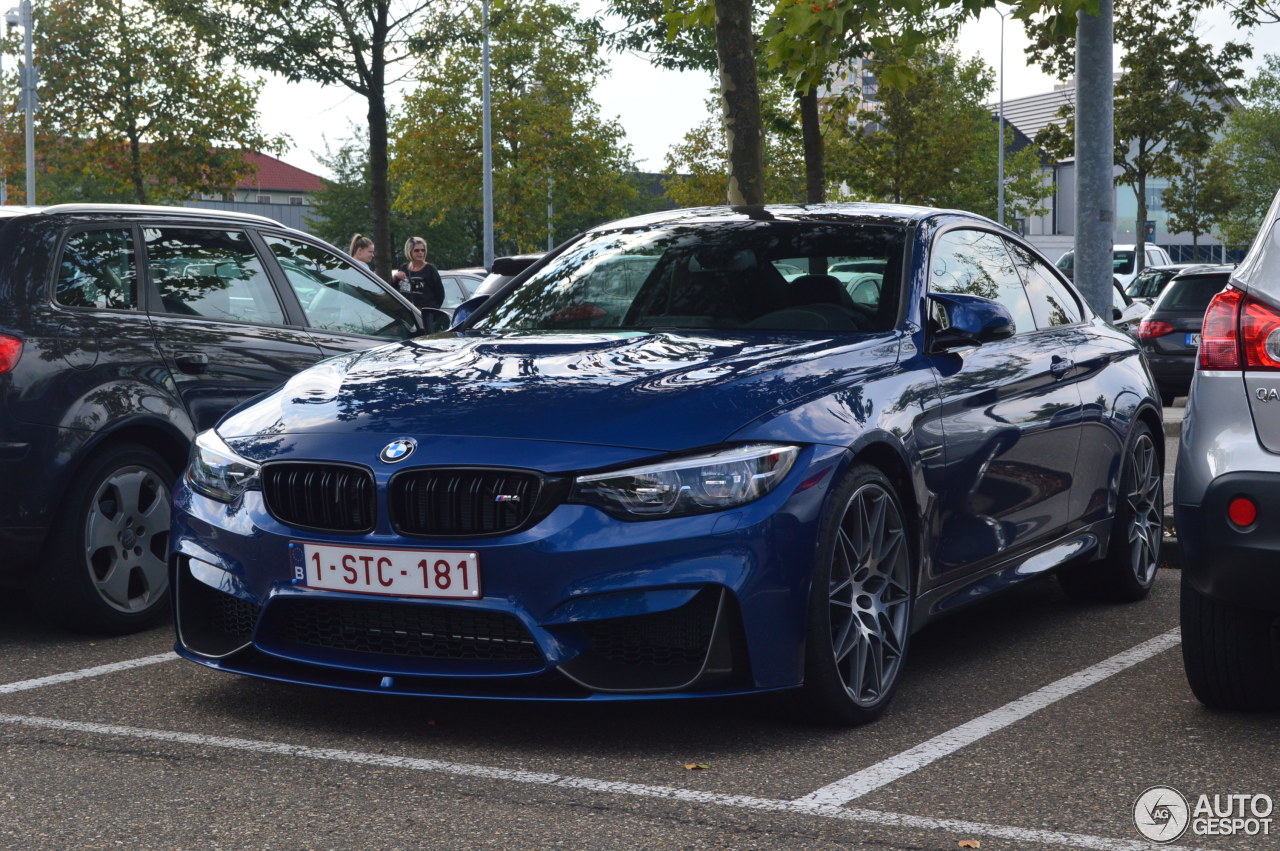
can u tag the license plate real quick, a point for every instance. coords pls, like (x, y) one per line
(1193, 339)
(380, 570)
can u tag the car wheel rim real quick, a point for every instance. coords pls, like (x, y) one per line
(127, 538)
(1145, 502)
(869, 595)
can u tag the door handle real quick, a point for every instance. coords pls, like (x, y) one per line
(191, 362)
(1060, 366)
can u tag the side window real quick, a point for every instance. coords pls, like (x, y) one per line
(976, 263)
(97, 269)
(1052, 302)
(337, 297)
(214, 274)
(454, 293)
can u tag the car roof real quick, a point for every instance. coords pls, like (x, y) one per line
(137, 210)
(1197, 269)
(899, 214)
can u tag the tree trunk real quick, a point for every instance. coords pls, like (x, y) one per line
(1140, 231)
(135, 169)
(815, 169)
(379, 195)
(740, 99)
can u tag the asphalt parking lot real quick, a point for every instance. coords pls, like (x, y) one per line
(1029, 721)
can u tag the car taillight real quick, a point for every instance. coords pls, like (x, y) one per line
(10, 351)
(1240, 332)
(1149, 328)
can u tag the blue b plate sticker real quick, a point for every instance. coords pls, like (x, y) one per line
(1193, 339)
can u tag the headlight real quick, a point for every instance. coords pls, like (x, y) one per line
(692, 485)
(216, 471)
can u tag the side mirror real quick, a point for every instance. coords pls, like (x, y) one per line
(971, 321)
(434, 320)
(463, 312)
(1131, 313)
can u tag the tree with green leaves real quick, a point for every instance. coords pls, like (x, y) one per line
(1202, 194)
(931, 140)
(358, 44)
(1174, 93)
(133, 106)
(697, 167)
(343, 210)
(551, 147)
(1251, 145)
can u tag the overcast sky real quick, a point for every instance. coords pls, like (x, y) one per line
(656, 107)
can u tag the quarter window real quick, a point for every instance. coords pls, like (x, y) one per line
(98, 270)
(210, 273)
(337, 297)
(976, 263)
(1051, 301)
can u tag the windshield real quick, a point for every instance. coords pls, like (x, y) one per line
(1148, 284)
(786, 276)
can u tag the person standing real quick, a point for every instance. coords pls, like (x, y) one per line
(362, 250)
(417, 278)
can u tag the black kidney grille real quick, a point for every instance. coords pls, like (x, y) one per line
(397, 629)
(331, 497)
(462, 502)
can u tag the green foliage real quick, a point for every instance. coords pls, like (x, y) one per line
(1174, 93)
(1202, 195)
(1251, 145)
(549, 141)
(932, 141)
(133, 106)
(696, 168)
(342, 211)
(352, 43)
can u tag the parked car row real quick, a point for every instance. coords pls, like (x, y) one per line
(711, 453)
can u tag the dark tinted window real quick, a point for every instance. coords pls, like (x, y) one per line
(1149, 283)
(1192, 292)
(976, 263)
(213, 274)
(98, 270)
(1122, 262)
(765, 275)
(1052, 302)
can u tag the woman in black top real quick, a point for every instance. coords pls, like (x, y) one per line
(417, 278)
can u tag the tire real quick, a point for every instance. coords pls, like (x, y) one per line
(1231, 655)
(1128, 570)
(859, 615)
(107, 561)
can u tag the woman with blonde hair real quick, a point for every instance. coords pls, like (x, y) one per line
(362, 249)
(417, 278)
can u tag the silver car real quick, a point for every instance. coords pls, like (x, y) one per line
(1227, 489)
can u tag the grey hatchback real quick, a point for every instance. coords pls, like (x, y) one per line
(1227, 490)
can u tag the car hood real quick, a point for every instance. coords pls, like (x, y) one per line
(658, 391)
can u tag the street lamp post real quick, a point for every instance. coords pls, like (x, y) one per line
(486, 144)
(1000, 127)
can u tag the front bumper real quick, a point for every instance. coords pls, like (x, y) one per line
(579, 606)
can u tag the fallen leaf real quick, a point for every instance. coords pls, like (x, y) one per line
(693, 766)
(969, 843)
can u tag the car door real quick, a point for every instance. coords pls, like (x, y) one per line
(219, 322)
(1009, 416)
(346, 309)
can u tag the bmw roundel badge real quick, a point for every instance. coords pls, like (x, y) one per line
(398, 450)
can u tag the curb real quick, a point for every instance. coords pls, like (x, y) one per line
(1173, 428)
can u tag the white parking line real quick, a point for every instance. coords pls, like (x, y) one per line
(967, 829)
(885, 772)
(71, 676)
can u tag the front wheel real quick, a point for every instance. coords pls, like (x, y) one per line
(105, 568)
(1128, 570)
(860, 602)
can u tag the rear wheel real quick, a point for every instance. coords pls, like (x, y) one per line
(106, 567)
(860, 602)
(1128, 570)
(1231, 655)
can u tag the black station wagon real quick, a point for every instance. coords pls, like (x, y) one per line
(124, 331)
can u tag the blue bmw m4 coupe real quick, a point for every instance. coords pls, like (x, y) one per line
(706, 452)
